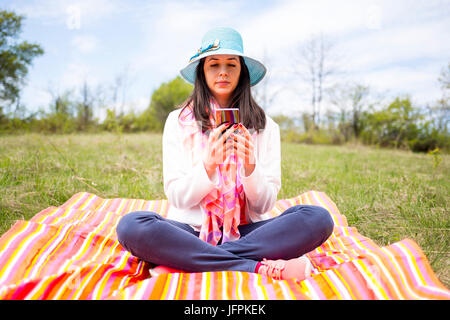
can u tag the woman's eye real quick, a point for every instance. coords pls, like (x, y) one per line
(215, 65)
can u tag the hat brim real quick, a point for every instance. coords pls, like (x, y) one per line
(255, 68)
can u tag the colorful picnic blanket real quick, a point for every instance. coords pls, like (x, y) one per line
(72, 252)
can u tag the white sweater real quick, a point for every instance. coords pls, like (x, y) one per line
(185, 184)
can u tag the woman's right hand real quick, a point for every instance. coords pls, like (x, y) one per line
(215, 151)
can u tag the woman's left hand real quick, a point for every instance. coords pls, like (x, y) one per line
(244, 148)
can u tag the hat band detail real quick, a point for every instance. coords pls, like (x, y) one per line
(213, 46)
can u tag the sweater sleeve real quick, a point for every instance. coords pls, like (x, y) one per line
(184, 186)
(263, 184)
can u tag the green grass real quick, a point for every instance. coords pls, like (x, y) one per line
(388, 195)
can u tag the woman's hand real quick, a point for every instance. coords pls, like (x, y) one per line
(215, 151)
(244, 148)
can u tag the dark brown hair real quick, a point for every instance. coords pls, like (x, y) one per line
(251, 115)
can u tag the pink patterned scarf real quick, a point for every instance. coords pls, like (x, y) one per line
(224, 207)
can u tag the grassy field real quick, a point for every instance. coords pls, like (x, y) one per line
(387, 195)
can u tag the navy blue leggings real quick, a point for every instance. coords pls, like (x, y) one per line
(161, 241)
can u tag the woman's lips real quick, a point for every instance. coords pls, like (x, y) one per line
(222, 83)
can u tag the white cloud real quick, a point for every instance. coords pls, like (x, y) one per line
(74, 14)
(85, 43)
(41, 97)
(290, 23)
(397, 45)
(419, 82)
(76, 73)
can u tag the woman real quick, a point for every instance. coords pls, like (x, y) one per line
(219, 180)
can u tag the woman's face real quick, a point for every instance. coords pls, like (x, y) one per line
(222, 76)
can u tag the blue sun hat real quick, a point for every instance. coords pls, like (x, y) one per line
(223, 41)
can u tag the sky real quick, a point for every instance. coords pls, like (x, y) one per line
(393, 47)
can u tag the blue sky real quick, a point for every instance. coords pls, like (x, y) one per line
(394, 47)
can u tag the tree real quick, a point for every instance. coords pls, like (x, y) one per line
(444, 80)
(264, 92)
(61, 103)
(351, 100)
(403, 121)
(119, 90)
(165, 99)
(393, 126)
(441, 110)
(85, 107)
(314, 63)
(60, 119)
(113, 99)
(15, 57)
(434, 132)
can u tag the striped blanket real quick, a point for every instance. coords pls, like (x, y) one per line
(71, 252)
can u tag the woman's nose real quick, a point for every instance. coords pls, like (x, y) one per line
(223, 71)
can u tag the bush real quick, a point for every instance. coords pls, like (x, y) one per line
(290, 136)
(316, 137)
(165, 99)
(58, 123)
(312, 137)
(429, 139)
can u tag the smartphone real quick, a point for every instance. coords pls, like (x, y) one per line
(226, 115)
